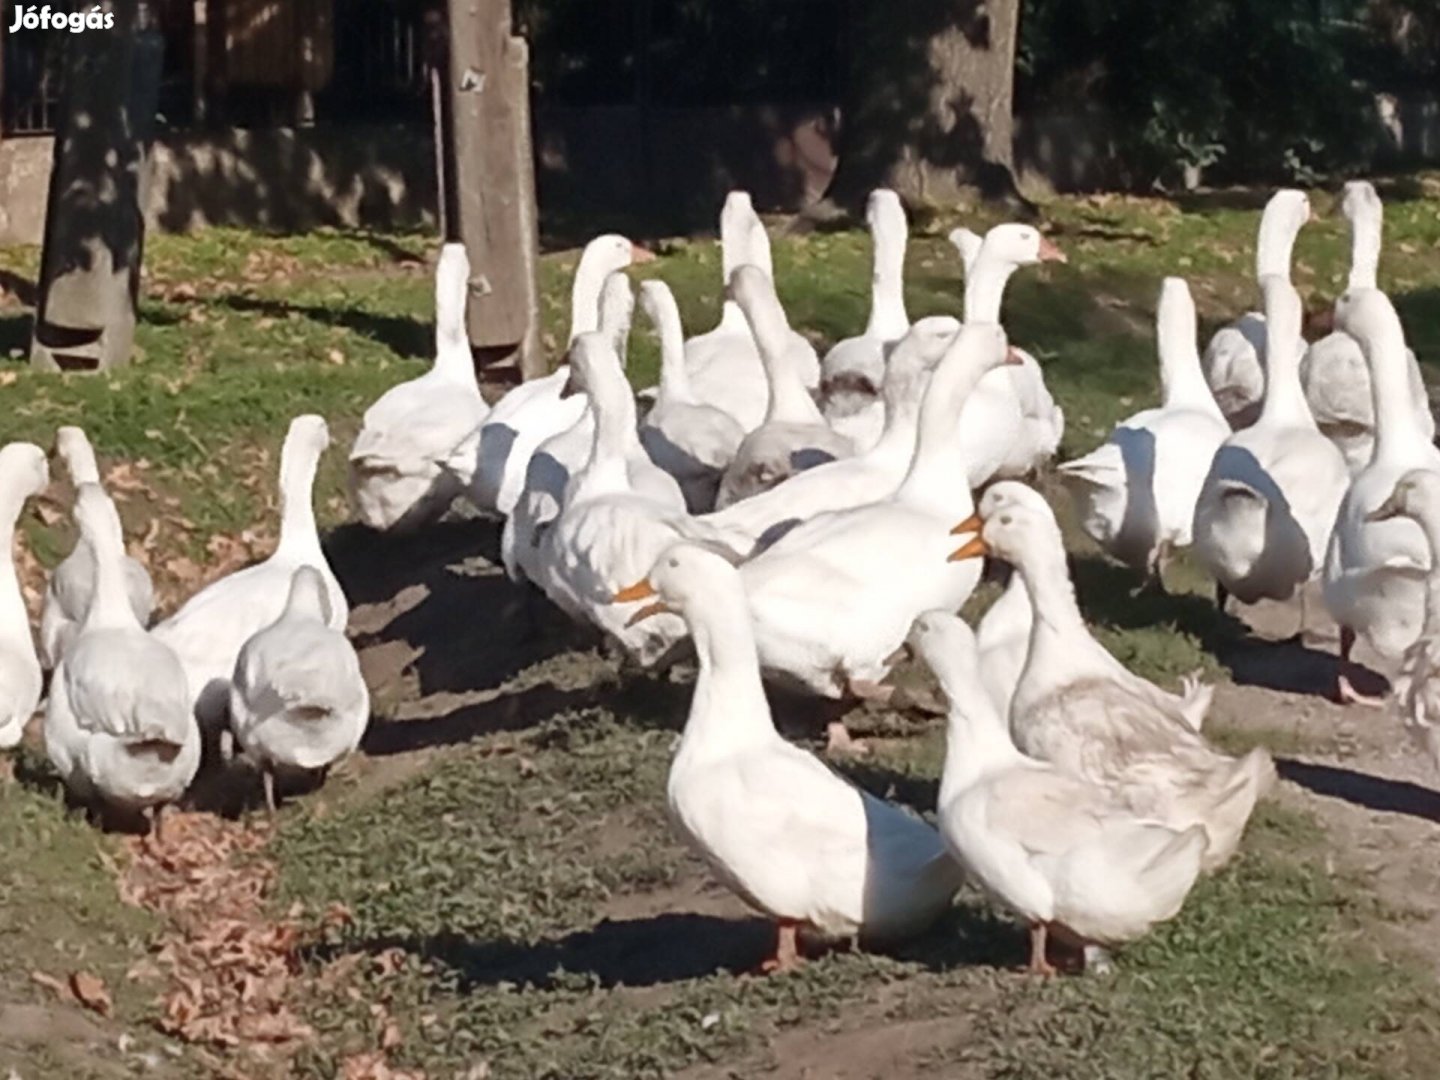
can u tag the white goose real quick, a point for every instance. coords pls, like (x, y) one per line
(67, 596)
(118, 724)
(690, 439)
(1375, 571)
(853, 372)
(208, 632)
(1136, 493)
(417, 447)
(560, 457)
(533, 411)
(23, 473)
(1268, 503)
(1235, 358)
(1334, 375)
(864, 478)
(825, 618)
(793, 436)
(1003, 635)
(724, 364)
(607, 532)
(1080, 709)
(775, 824)
(1011, 425)
(1416, 698)
(1060, 851)
(298, 702)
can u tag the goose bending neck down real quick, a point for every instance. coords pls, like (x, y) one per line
(24, 473)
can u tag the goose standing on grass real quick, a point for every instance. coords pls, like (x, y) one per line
(690, 439)
(776, 825)
(417, 448)
(24, 473)
(67, 596)
(1136, 493)
(533, 411)
(724, 364)
(1011, 425)
(853, 372)
(834, 598)
(1080, 709)
(1375, 570)
(1268, 503)
(208, 632)
(1334, 375)
(794, 435)
(298, 703)
(866, 477)
(1235, 358)
(1060, 851)
(561, 456)
(118, 725)
(1416, 697)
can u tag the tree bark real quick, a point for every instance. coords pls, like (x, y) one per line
(928, 101)
(95, 213)
(489, 88)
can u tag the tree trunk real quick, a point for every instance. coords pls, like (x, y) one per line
(94, 216)
(489, 88)
(928, 101)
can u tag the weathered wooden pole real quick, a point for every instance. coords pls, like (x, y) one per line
(494, 186)
(95, 214)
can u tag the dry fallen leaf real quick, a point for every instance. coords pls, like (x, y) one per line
(40, 978)
(90, 991)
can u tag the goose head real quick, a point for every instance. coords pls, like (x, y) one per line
(307, 433)
(1368, 316)
(610, 252)
(24, 470)
(73, 447)
(308, 595)
(1016, 526)
(998, 496)
(1360, 201)
(968, 244)
(947, 645)
(1416, 495)
(685, 579)
(922, 347)
(1018, 244)
(884, 210)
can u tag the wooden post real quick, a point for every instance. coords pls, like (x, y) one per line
(95, 215)
(489, 91)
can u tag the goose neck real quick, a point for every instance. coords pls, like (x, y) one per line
(790, 402)
(110, 602)
(1366, 226)
(985, 288)
(1182, 380)
(80, 462)
(938, 465)
(1056, 626)
(298, 530)
(14, 618)
(976, 739)
(1285, 403)
(728, 709)
(585, 299)
(1276, 245)
(674, 375)
(1398, 435)
(888, 318)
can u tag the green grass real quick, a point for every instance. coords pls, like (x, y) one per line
(528, 878)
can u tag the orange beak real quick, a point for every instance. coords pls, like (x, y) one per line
(972, 548)
(1049, 252)
(641, 590)
(641, 254)
(971, 524)
(657, 608)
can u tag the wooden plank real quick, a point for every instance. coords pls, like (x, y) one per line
(489, 89)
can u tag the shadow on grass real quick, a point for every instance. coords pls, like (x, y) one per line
(1362, 789)
(679, 946)
(1109, 596)
(15, 334)
(408, 338)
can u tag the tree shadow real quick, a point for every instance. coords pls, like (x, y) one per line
(1363, 790)
(408, 338)
(15, 334)
(18, 286)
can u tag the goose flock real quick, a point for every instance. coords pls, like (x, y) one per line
(812, 521)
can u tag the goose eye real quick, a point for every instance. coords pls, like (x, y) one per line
(674, 564)
(1005, 519)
